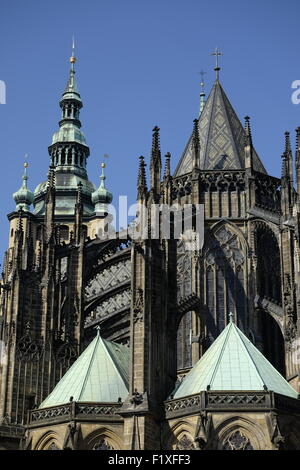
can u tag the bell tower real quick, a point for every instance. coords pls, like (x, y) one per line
(41, 322)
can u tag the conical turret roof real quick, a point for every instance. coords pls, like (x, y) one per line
(100, 375)
(221, 136)
(232, 362)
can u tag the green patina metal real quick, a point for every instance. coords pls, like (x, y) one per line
(23, 197)
(232, 362)
(101, 197)
(69, 153)
(99, 375)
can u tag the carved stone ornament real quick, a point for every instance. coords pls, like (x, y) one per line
(53, 446)
(137, 398)
(290, 331)
(237, 441)
(202, 430)
(274, 430)
(28, 350)
(66, 353)
(290, 325)
(138, 306)
(102, 444)
(185, 443)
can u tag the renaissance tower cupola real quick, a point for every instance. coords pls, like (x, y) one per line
(68, 155)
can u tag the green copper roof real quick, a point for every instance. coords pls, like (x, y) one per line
(66, 184)
(69, 132)
(221, 137)
(101, 196)
(100, 374)
(23, 197)
(71, 90)
(233, 363)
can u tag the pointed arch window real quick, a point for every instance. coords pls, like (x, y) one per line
(237, 441)
(184, 342)
(185, 443)
(224, 266)
(102, 444)
(184, 332)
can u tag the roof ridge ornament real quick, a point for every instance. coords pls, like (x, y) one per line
(217, 53)
(202, 91)
(73, 58)
(98, 330)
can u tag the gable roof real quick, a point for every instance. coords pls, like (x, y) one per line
(100, 374)
(232, 362)
(221, 136)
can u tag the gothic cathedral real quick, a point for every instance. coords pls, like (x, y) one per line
(122, 342)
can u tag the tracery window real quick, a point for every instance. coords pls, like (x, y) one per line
(185, 443)
(53, 446)
(184, 342)
(102, 444)
(184, 333)
(237, 441)
(224, 266)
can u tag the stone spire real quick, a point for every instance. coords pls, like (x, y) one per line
(155, 163)
(287, 192)
(167, 173)
(196, 145)
(248, 144)
(289, 156)
(298, 162)
(142, 180)
(23, 197)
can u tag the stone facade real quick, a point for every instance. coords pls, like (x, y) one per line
(166, 303)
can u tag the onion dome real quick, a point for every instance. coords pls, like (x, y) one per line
(23, 197)
(101, 197)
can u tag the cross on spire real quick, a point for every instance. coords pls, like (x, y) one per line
(217, 53)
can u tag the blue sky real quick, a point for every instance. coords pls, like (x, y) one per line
(137, 67)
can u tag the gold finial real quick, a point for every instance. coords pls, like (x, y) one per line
(73, 58)
(25, 162)
(103, 165)
(202, 73)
